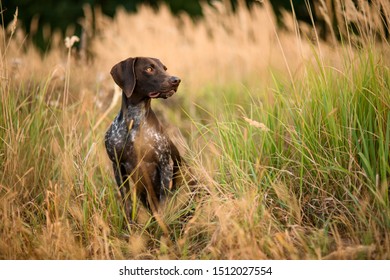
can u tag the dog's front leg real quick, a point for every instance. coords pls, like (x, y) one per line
(166, 176)
(123, 182)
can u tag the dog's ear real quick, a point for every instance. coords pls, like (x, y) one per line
(124, 75)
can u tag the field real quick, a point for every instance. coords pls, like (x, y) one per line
(287, 135)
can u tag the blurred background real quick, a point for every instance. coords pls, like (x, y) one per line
(40, 18)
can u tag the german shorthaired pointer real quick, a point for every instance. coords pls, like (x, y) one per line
(136, 142)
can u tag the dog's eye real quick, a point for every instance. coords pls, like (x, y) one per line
(149, 69)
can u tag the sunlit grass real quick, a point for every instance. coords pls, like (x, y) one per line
(290, 162)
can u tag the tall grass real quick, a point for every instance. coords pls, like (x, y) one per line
(289, 143)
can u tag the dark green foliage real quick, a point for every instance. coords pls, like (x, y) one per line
(35, 16)
(62, 14)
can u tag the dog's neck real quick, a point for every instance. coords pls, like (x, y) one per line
(135, 112)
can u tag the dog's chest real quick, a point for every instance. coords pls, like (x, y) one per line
(136, 139)
(154, 140)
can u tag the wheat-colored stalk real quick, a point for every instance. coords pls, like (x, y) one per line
(69, 42)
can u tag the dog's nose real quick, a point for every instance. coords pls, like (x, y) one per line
(174, 81)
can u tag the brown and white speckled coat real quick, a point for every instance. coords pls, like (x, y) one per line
(136, 142)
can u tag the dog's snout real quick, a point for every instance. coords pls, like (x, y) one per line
(174, 81)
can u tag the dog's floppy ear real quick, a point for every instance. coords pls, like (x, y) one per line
(124, 75)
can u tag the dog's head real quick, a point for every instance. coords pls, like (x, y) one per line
(144, 76)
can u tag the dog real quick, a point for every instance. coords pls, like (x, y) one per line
(136, 142)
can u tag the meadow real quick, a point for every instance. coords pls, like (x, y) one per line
(287, 135)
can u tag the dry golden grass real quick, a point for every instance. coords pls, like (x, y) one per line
(263, 193)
